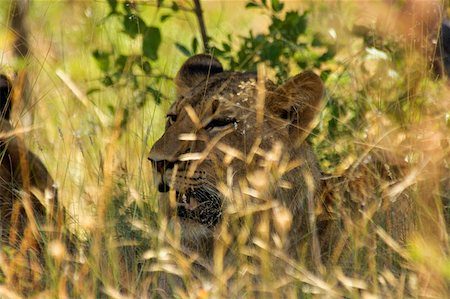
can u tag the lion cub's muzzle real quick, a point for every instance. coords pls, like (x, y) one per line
(161, 167)
(196, 199)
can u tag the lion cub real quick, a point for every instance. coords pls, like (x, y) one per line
(235, 141)
(23, 177)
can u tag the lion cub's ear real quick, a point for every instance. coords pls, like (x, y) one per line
(298, 101)
(5, 96)
(195, 70)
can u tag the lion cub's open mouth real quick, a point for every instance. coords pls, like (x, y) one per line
(203, 205)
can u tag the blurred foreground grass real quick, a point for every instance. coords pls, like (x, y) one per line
(105, 180)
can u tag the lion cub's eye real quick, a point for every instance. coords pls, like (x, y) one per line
(220, 123)
(171, 118)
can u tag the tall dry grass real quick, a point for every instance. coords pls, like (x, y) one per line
(385, 202)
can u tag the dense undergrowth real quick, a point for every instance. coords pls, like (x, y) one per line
(101, 76)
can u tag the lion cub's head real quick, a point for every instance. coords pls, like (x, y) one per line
(218, 130)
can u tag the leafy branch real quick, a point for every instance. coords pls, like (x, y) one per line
(288, 46)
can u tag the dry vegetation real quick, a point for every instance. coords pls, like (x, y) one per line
(388, 192)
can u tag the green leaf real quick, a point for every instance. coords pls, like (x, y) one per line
(93, 90)
(251, 5)
(120, 63)
(107, 81)
(325, 74)
(175, 7)
(133, 25)
(226, 47)
(291, 27)
(327, 55)
(157, 95)
(277, 6)
(113, 5)
(146, 67)
(151, 42)
(102, 60)
(272, 51)
(183, 49)
(317, 40)
(165, 17)
(194, 45)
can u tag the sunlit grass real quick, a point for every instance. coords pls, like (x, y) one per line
(105, 180)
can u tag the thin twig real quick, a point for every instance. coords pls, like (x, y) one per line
(201, 22)
(159, 5)
(21, 50)
(19, 13)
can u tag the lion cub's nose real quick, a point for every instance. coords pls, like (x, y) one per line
(162, 166)
(159, 163)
